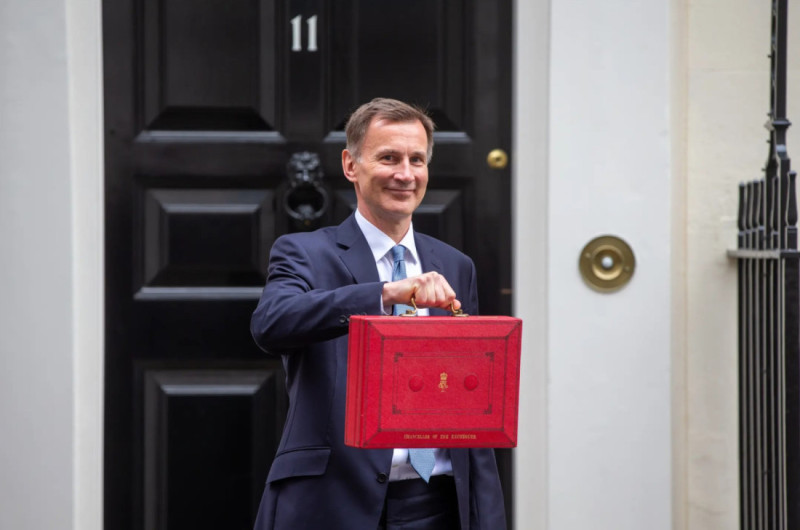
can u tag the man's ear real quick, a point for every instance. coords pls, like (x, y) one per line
(348, 166)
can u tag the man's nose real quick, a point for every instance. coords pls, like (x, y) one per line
(404, 172)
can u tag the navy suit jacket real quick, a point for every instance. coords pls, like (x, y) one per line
(316, 280)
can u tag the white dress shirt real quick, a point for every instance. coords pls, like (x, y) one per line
(381, 246)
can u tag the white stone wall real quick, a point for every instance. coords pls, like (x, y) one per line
(51, 262)
(36, 312)
(697, 71)
(609, 355)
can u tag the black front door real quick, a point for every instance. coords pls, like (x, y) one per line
(223, 130)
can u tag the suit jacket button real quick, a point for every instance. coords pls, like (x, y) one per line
(343, 319)
(382, 477)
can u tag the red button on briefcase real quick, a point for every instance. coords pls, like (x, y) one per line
(432, 381)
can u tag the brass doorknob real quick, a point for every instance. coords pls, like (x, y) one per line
(607, 263)
(497, 159)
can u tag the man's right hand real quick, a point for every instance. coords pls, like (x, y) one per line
(429, 290)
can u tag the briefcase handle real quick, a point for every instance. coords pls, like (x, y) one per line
(413, 312)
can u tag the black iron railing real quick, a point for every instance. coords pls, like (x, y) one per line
(769, 337)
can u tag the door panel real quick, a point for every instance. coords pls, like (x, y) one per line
(206, 65)
(206, 103)
(206, 237)
(415, 51)
(222, 418)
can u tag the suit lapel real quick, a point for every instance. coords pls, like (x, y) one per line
(427, 256)
(356, 254)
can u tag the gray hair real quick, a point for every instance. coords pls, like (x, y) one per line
(384, 109)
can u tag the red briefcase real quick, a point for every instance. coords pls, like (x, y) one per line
(432, 381)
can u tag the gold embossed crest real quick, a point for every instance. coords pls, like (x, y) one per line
(443, 381)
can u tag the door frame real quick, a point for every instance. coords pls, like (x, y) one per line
(86, 123)
(530, 109)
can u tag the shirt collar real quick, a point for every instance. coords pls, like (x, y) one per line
(380, 244)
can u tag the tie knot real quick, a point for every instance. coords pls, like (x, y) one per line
(398, 253)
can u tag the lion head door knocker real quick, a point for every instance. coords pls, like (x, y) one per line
(306, 199)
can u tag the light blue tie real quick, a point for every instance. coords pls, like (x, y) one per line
(422, 460)
(399, 273)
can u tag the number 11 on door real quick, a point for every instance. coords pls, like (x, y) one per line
(297, 33)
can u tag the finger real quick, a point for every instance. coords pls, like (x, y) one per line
(431, 289)
(426, 294)
(442, 298)
(417, 290)
(399, 292)
(445, 293)
(449, 293)
(430, 293)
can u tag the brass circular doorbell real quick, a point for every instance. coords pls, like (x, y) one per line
(607, 263)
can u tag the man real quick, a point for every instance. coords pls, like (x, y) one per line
(316, 281)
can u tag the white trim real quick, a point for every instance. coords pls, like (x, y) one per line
(85, 83)
(530, 171)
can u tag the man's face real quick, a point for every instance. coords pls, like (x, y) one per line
(392, 174)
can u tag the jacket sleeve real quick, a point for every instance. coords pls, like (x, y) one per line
(306, 300)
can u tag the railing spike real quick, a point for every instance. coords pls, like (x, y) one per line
(774, 238)
(748, 214)
(756, 222)
(769, 211)
(791, 213)
(741, 216)
(760, 213)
